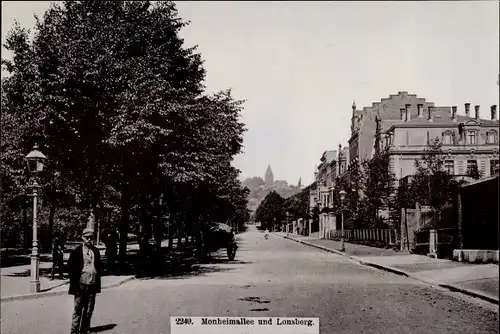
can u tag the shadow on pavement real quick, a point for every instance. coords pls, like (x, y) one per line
(102, 328)
(173, 264)
(12, 260)
(44, 272)
(185, 265)
(55, 286)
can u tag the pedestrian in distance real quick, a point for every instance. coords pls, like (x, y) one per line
(84, 267)
(111, 250)
(57, 258)
(266, 234)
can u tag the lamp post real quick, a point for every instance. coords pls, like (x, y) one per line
(342, 197)
(35, 161)
(287, 213)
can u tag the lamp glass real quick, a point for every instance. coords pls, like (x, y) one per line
(39, 166)
(35, 160)
(342, 195)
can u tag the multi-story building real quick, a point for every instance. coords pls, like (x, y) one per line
(325, 179)
(467, 141)
(343, 160)
(389, 110)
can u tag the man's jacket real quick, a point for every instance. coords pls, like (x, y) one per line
(75, 267)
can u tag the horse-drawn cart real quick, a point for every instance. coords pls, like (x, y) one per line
(217, 237)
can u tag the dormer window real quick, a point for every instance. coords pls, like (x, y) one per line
(491, 137)
(447, 138)
(470, 137)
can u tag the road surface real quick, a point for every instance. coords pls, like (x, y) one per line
(273, 278)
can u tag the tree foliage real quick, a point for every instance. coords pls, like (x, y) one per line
(253, 183)
(378, 185)
(116, 101)
(271, 210)
(298, 204)
(432, 184)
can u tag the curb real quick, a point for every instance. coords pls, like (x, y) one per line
(470, 292)
(60, 292)
(451, 287)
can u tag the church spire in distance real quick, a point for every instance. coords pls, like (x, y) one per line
(299, 184)
(269, 177)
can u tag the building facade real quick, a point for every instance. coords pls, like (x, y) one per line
(325, 178)
(468, 141)
(364, 122)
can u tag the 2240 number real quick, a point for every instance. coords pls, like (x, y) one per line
(183, 321)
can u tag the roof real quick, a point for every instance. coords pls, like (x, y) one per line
(441, 116)
(328, 156)
(388, 123)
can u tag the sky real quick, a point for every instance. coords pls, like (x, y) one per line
(300, 65)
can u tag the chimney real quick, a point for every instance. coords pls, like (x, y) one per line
(477, 111)
(454, 113)
(403, 112)
(419, 110)
(408, 114)
(467, 109)
(493, 113)
(429, 117)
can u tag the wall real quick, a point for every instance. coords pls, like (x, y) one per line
(480, 215)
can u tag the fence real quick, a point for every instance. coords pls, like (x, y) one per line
(383, 236)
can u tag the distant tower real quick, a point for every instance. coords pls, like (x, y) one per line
(299, 185)
(353, 117)
(269, 178)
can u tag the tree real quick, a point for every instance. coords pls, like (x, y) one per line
(298, 204)
(270, 210)
(378, 185)
(118, 103)
(432, 184)
(253, 182)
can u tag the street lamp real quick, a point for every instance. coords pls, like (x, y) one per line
(342, 197)
(35, 160)
(287, 214)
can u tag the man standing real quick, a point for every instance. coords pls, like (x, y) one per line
(84, 268)
(111, 250)
(57, 258)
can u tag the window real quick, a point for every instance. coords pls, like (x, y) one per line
(471, 166)
(494, 167)
(491, 137)
(449, 165)
(470, 139)
(447, 139)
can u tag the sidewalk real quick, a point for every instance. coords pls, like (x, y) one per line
(15, 280)
(477, 280)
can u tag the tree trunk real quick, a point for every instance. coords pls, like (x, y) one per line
(180, 231)
(53, 207)
(159, 223)
(123, 228)
(26, 226)
(171, 223)
(158, 233)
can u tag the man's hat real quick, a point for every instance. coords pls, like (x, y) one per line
(88, 232)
